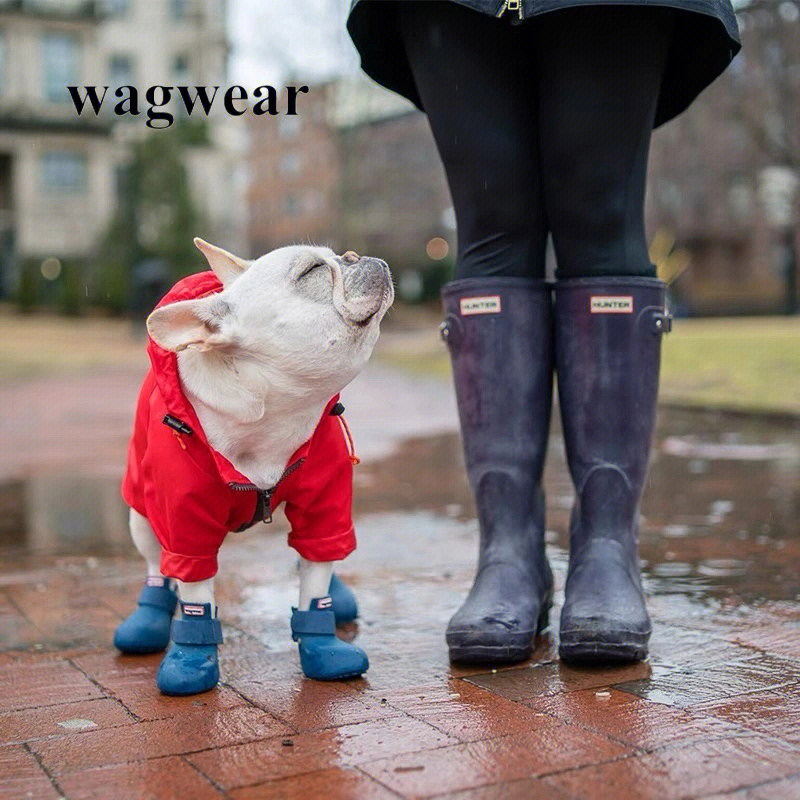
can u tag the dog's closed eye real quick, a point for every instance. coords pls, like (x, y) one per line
(310, 268)
(315, 282)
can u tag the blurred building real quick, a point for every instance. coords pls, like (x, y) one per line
(55, 169)
(356, 169)
(295, 173)
(59, 172)
(181, 42)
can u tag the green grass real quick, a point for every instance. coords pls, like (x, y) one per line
(748, 363)
(42, 344)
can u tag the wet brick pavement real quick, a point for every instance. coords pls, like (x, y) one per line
(713, 713)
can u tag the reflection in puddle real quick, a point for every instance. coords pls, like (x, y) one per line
(720, 517)
(63, 514)
(722, 567)
(671, 569)
(692, 447)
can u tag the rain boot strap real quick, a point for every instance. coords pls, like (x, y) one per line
(196, 631)
(316, 622)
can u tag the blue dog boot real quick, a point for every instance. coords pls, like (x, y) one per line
(190, 665)
(343, 601)
(146, 630)
(323, 656)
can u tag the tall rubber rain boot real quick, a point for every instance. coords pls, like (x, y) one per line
(608, 350)
(499, 333)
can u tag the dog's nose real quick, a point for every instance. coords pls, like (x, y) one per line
(350, 257)
(366, 284)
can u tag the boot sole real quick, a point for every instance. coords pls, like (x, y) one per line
(185, 693)
(140, 651)
(518, 646)
(346, 676)
(578, 647)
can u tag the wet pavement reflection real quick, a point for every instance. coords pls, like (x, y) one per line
(720, 552)
(720, 517)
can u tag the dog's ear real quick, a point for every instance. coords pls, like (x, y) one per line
(189, 323)
(227, 267)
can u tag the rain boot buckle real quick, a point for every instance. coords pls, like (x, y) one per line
(662, 322)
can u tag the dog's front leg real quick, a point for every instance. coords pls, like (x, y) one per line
(322, 654)
(315, 580)
(191, 665)
(146, 630)
(145, 542)
(197, 592)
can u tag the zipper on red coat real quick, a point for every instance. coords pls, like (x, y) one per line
(266, 493)
(266, 514)
(510, 5)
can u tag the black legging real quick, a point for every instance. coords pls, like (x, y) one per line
(542, 127)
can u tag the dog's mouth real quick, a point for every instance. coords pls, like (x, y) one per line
(386, 300)
(368, 292)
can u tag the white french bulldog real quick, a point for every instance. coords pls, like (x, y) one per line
(238, 414)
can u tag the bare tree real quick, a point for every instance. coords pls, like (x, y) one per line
(767, 105)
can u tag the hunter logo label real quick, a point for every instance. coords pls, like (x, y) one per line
(480, 305)
(193, 611)
(603, 304)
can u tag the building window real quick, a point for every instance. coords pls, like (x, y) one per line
(291, 164)
(118, 8)
(61, 62)
(180, 70)
(669, 196)
(314, 201)
(65, 171)
(291, 205)
(740, 198)
(120, 71)
(121, 179)
(179, 9)
(288, 126)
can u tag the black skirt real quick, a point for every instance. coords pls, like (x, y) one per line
(706, 40)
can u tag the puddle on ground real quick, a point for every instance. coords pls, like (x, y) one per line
(720, 518)
(63, 514)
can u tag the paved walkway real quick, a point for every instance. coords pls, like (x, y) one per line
(713, 713)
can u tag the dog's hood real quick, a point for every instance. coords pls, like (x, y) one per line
(167, 378)
(165, 362)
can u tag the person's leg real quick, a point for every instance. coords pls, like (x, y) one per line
(600, 78)
(476, 94)
(498, 322)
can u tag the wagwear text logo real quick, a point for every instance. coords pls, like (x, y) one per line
(193, 98)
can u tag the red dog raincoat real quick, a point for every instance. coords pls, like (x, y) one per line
(193, 496)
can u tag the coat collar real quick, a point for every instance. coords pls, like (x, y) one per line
(165, 372)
